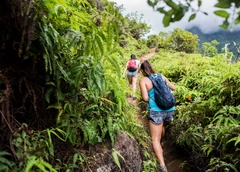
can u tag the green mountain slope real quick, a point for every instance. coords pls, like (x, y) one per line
(222, 36)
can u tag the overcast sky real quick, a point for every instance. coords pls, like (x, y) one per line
(207, 24)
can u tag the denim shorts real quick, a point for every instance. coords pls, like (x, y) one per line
(159, 117)
(132, 73)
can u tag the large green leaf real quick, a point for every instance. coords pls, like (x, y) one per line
(166, 20)
(222, 13)
(223, 4)
(178, 15)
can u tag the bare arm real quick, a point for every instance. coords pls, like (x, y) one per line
(169, 84)
(124, 72)
(143, 88)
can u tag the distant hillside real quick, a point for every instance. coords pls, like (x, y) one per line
(222, 36)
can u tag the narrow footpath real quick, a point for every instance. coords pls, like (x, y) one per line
(172, 159)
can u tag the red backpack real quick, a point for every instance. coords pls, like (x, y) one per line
(132, 65)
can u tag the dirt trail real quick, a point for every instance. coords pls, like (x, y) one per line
(147, 56)
(172, 159)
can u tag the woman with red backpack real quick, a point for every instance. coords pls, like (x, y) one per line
(132, 67)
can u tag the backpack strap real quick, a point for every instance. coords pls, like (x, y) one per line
(151, 78)
(157, 75)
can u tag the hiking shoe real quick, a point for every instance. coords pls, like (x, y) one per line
(163, 169)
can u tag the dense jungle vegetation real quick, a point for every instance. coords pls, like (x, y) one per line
(61, 90)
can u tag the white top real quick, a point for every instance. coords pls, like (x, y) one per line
(138, 62)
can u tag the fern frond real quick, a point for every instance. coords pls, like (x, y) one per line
(236, 139)
(115, 155)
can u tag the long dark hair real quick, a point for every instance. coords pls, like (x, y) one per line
(133, 56)
(147, 68)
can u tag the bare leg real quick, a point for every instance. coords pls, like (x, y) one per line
(130, 84)
(163, 131)
(134, 83)
(156, 131)
(130, 81)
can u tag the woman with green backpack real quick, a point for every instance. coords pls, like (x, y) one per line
(157, 116)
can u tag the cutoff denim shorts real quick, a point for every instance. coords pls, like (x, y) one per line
(159, 117)
(132, 73)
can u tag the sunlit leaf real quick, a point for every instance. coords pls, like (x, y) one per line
(57, 6)
(116, 160)
(223, 4)
(236, 139)
(199, 3)
(222, 13)
(192, 17)
(166, 20)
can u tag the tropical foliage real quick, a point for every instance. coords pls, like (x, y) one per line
(61, 83)
(174, 11)
(135, 26)
(61, 90)
(210, 48)
(177, 40)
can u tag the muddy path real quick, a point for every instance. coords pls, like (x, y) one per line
(173, 159)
